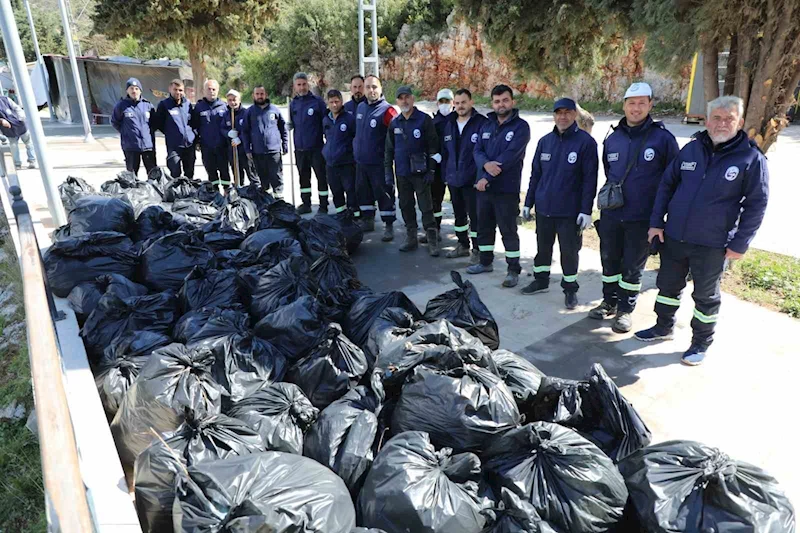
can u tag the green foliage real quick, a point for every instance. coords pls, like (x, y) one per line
(132, 47)
(48, 32)
(770, 277)
(424, 17)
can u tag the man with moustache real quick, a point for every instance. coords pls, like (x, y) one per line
(714, 195)
(306, 113)
(339, 128)
(356, 94)
(265, 139)
(207, 117)
(173, 118)
(232, 131)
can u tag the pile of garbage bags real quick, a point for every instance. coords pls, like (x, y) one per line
(252, 383)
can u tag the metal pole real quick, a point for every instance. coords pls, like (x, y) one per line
(39, 59)
(375, 35)
(76, 76)
(361, 37)
(73, 24)
(34, 123)
(291, 168)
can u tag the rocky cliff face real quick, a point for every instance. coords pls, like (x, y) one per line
(459, 57)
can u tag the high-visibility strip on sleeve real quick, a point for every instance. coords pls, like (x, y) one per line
(486, 247)
(570, 279)
(305, 191)
(340, 209)
(541, 268)
(459, 229)
(630, 286)
(612, 279)
(668, 301)
(512, 254)
(705, 319)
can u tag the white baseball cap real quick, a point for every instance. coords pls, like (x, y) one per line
(445, 94)
(234, 92)
(639, 89)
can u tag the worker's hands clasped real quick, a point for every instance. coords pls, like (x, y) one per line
(526, 214)
(584, 221)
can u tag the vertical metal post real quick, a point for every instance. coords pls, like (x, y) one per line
(375, 35)
(76, 75)
(28, 100)
(361, 37)
(39, 59)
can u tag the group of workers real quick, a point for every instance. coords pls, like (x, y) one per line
(698, 206)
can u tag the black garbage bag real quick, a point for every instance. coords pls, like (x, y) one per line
(368, 308)
(194, 442)
(154, 222)
(230, 228)
(367, 530)
(256, 195)
(236, 259)
(339, 299)
(159, 179)
(280, 413)
(100, 213)
(340, 230)
(121, 363)
(513, 515)
(210, 323)
(392, 324)
(80, 259)
(115, 316)
(596, 408)
(179, 188)
(335, 366)
(258, 239)
(122, 181)
(72, 189)
(344, 436)
(266, 290)
(279, 214)
(521, 377)
(295, 329)
(688, 486)
(205, 287)
(462, 408)
(194, 211)
(319, 233)
(414, 487)
(209, 193)
(269, 491)
(350, 228)
(570, 482)
(169, 259)
(139, 194)
(332, 269)
(174, 383)
(84, 297)
(463, 308)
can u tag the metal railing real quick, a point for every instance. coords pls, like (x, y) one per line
(68, 509)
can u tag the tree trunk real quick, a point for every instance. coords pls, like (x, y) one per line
(744, 68)
(197, 59)
(730, 71)
(710, 70)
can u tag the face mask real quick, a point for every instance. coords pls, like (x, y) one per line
(445, 109)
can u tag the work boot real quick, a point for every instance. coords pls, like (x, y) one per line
(460, 251)
(367, 224)
(304, 209)
(433, 242)
(388, 232)
(422, 238)
(622, 323)
(411, 243)
(604, 310)
(694, 355)
(512, 278)
(537, 285)
(656, 333)
(479, 269)
(322, 209)
(570, 300)
(474, 257)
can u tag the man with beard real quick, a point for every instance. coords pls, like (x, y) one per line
(173, 118)
(356, 94)
(714, 195)
(372, 123)
(232, 131)
(207, 117)
(306, 112)
(265, 139)
(499, 155)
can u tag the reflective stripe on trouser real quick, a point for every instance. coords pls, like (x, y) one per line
(437, 195)
(705, 264)
(407, 189)
(465, 212)
(306, 161)
(215, 161)
(498, 210)
(623, 253)
(569, 243)
(342, 182)
(371, 187)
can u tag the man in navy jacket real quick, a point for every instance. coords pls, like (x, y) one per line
(234, 122)
(207, 118)
(173, 118)
(714, 195)
(444, 101)
(132, 118)
(499, 153)
(339, 128)
(306, 112)
(635, 154)
(459, 137)
(356, 94)
(562, 188)
(265, 139)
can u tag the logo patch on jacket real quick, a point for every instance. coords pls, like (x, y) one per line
(731, 173)
(343, 127)
(272, 116)
(688, 165)
(509, 136)
(373, 123)
(486, 135)
(360, 116)
(474, 138)
(204, 113)
(174, 111)
(649, 154)
(417, 134)
(147, 115)
(612, 157)
(545, 157)
(130, 114)
(448, 138)
(398, 131)
(572, 157)
(310, 111)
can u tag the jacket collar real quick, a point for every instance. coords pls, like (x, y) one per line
(738, 142)
(493, 117)
(306, 96)
(569, 132)
(635, 130)
(453, 117)
(414, 112)
(376, 102)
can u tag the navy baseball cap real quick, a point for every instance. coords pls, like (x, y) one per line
(403, 89)
(564, 103)
(133, 82)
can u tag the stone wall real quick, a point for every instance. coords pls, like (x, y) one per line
(459, 57)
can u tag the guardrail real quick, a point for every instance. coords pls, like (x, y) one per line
(68, 509)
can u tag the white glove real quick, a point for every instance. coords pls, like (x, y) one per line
(584, 221)
(526, 214)
(437, 158)
(236, 142)
(233, 134)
